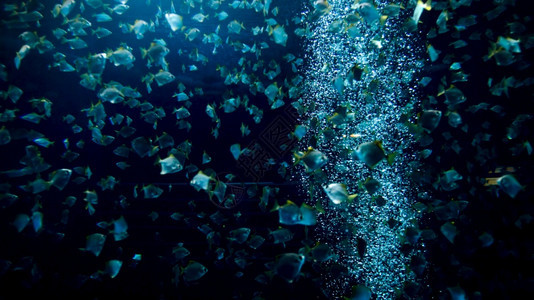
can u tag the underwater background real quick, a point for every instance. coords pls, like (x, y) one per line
(247, 149)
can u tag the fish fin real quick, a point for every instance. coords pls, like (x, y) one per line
(319, 206)
(298, 156)
(144, 52)
(17, 62)
(391, 157)
(276, 206)
(352, 197)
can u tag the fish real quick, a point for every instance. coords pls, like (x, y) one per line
(120, 229)
(111, 94)
(13, 93)
(120, 8)
(367, 11)
(321, 8)
(201, 181)
(95, 4)
(140, 27)
(419, 8)
(279, 34)
(156, 54)
(360, 292)
(5, 136)
(192, 33)
(200, 17)
(288, 266)
(121, 56)
(151, 191)
(113, 267)
(239, 235)
(292, 214)
(170, 165)
(319, 253)
(21, 221)
(193, 271)
(311, 159)
(337, 193)
(371, 153)
(175, 21)
(429, 119)
(101, 32)
(448, 180)
(281, 235)
(221, 16)
(95, 243)
(180, 251)
(21, 54)
(509, 185)
(235, 27)
(102, 17)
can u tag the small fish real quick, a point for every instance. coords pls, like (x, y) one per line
(192, 33)
(156, 54)
(113, 267)
(371, 153)
(111, 94)
(200, 17)
(102, 17)
(151, 191)
(5, 136)
(21, 221)
(180, 251)
(367, 12)
(193, 271)
(120, 229)
(201, 181)
(288, 265)
(75, 43)
(337, 193)
(33, 118)
(360, 292)
(175, 21)
(43, 142)
(120, 9)
(321, 252)
(164, 77)
(311, 159)
(509, 185)
(170, 165)
(21, 54)
(121, 56)
(239, 235)
(429, 119)
(101, 32)
(95, 243)
(448, 180)
(419, 9)
(140, 27)
(279, 34)
(282, 235)
(235, 27)
(221, 16)
(291, 214)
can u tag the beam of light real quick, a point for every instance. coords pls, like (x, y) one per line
(366, 234)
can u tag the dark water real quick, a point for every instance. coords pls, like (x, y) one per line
(50, 262)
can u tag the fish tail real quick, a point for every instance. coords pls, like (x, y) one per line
(17, 61)
(144, 52)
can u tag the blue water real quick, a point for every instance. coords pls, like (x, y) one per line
(391, 242)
